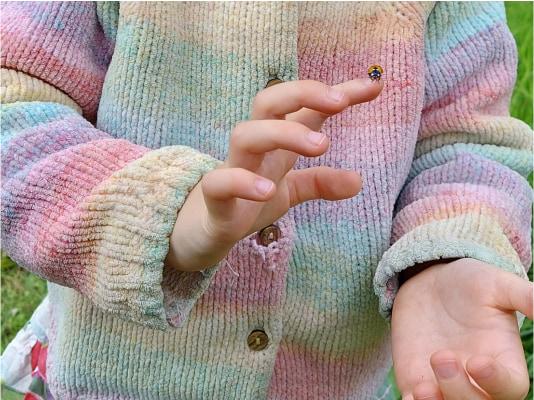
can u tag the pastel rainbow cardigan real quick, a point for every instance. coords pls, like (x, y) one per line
(112, 113)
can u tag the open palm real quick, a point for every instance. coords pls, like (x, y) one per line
(455, 333)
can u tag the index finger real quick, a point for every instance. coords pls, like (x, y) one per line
(284, 98)
(357, 91)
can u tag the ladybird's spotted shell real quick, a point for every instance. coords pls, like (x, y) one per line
(375, 72)
(375, 67)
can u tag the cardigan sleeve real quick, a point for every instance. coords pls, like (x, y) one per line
(81, 208)
(467, 194)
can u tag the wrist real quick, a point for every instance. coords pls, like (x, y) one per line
(186, 255)
(194, 248)
(410, 272)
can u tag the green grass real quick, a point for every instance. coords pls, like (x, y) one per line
(519, 15)
(22, 292)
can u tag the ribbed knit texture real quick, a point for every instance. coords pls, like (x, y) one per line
(112, 113)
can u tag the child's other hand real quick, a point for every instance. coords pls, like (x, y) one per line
(455, 332)
(235, 200)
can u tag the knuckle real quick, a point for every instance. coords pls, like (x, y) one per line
(238, 134)
(300, 96)
(234, 174)
(261, 100)
(221, 182)
(310, 82)
(287, 131)
(208, 179)
(295, 126)
(211, 181)
(236, 177)
(313, 84)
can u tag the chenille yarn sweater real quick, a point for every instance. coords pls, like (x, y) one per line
(112, 112)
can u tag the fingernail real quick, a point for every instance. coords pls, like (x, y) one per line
(263, 185)
(316, 137)
(335, 95)
(485, 372)
(447, 370)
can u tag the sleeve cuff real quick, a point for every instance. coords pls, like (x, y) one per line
(134, 211)
(472, 235)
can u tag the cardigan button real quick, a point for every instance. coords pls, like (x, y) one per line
(268, 235)
(272, 82)
(257, 340)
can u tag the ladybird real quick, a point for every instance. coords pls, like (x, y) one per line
(375, 72)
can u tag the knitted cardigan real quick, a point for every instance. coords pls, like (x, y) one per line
(112, 112)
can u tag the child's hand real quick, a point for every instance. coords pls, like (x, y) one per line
(234, 201)
(459, 318)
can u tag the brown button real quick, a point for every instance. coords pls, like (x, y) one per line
(273, 81)
(268, 235)
(257, 340)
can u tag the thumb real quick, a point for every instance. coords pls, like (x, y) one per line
(515, 294)
(322, 183)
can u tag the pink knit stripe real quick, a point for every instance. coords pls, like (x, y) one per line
(299, 370)
(48, 52)
(477, 89)
(71, 79)
(485, 194)
(56, 245)
(441, 207)
(472, 169)
(475, 93)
